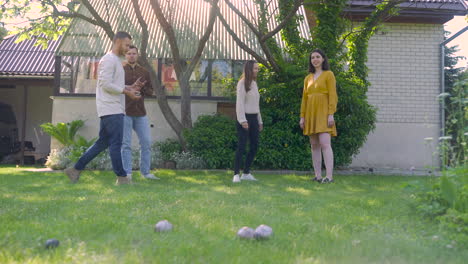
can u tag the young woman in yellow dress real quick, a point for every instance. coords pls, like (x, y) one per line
(319, 102)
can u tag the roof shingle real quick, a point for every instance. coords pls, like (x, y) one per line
(25, 58)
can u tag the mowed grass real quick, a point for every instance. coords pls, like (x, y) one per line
(359, 219)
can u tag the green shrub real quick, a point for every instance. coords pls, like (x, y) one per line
(168, 148)
(58, 159)
(187, 160)
(446, 201)
(213, 138)
(63, 132)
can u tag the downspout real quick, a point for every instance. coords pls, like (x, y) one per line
(442, 78)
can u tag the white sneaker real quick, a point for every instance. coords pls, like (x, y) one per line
(248, 177)
(151, 176)
(236, 178)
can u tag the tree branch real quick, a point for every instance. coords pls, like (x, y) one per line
(144, 28)
(245, 19)
(297, 4)
(103, 24)
(239, 42)
(170, 35)
(209, 29)
(161, 96)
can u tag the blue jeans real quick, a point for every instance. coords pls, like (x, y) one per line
(141, 126)
(110, 136)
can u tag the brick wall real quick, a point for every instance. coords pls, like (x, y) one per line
(403, 63)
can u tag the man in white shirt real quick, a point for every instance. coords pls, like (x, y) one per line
(110, 103)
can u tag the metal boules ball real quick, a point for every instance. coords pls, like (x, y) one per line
(263, 232)
(52, 243)
(163, 226)
(246, 233)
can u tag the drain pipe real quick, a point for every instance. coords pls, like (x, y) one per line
(442, 78)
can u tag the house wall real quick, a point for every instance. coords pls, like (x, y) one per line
(38, 111)
(403, 62)
(72, 108)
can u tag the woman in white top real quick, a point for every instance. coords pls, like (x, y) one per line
(249, 120)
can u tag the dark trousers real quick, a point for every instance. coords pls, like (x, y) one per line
(110, 136)
(242, 135)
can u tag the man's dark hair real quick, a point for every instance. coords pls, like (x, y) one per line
(133, 47)
(121, 35)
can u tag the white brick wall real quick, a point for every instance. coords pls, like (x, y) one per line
(403, 62)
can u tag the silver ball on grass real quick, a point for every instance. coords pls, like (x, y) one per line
(163, 226)
(263, 232)
(246, 233)
(52, 243)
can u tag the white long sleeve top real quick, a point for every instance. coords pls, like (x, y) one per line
(247, 102)
(111, 82)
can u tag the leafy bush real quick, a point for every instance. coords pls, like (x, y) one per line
(63, 132)
(167, 148)
(446, 201)
(213, 139)
(58, 159)
(187, 160)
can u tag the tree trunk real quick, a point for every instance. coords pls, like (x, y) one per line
(164, 104)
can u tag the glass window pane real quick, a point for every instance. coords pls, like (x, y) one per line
(222, 81)
(86, 78)
(199, 79)
(169, 78)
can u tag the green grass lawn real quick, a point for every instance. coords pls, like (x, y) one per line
(359, 219)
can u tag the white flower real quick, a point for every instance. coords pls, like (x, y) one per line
(466, 134)
(443, 95)
(445, 138)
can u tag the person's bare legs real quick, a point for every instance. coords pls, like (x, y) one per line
(325, 145)
(316, 155)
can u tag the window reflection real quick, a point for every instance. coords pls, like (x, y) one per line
(210, 78)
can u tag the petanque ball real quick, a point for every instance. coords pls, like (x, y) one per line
(163, 226)
(52, 243)
(246, 233)
(263, 232)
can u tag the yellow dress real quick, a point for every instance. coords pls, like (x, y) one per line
(319, 100)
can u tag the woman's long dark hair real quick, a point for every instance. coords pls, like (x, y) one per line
(248, 74)
(325, 65)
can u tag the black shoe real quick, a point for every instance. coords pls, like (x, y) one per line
(327, 180)
(317, 179)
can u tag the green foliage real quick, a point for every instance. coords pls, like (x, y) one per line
(213, 138)
(3, 33)
(46, 25)
(168, 148)
(282, 145)
(456, 121)
(448, 190)
(79, 147)
(63, 132)
(446, 201)
(330, 26)
(186, 160)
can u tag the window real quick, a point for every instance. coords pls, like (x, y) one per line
(210, 78)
